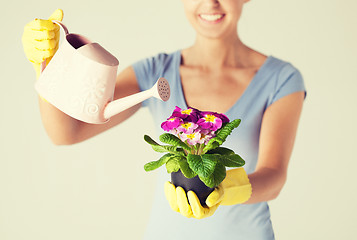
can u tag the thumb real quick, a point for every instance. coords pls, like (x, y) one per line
(57, 15)
(41, 24)
(215, 197)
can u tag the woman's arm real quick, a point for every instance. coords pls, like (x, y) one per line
(278, 131)
(65, 130)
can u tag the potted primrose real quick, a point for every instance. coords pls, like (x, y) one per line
(194, 156)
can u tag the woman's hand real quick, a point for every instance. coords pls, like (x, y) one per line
(189, 205)
(235, 189)
(40, 40)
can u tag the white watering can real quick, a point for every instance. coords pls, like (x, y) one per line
(80, 81)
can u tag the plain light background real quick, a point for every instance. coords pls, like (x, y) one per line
(98, 189)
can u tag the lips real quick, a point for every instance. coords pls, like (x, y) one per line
(211, 17)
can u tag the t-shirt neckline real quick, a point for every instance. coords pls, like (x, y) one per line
(239, 100)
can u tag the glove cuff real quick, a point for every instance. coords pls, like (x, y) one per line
(237, 188)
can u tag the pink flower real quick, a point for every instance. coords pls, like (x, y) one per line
(187, 127)
(223, 117)
(206, 135)
(192, 138)
(174, 132)
(210, 121)
(171, 124)
(189, 115)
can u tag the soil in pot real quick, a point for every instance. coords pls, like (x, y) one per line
(193, 184)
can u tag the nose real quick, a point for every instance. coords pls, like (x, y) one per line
(212, 2)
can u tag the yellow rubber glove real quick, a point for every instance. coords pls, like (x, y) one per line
(236, 186)
(189, 205)
(234, 189)
(40, 39)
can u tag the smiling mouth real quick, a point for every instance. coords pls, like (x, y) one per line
(211, 17)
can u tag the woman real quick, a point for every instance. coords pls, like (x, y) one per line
(217, 73)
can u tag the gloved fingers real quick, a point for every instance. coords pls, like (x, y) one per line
(40, 35)
(170, 193)
(40, 39)
(56, 15)
(215, 197)
(197, 209)
(37, 55)
(38, 50)
(45, 44)
(41, 25)
(212, 210)
(31, 35)
(182, 202)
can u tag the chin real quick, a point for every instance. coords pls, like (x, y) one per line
(213, 35)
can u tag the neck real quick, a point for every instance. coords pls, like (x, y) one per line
(213, 54)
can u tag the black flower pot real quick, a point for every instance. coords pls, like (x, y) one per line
(194, 184)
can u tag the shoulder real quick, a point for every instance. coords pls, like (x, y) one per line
(158, 61)
(149, 69)
(286, 79)
(282, 68)
(277, 72)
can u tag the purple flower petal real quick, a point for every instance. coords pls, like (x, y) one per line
(223, 117)
(210, 121)
(171, 124)
(187, 127)
(189, 115)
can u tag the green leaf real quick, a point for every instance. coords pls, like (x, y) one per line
(156, 164)
(227, 129)
(203, 165)
(185, 168)
(173, 140)
(233, 160)
(212, 144)
(216, 177)
(162, 149)
(157, 147)
(149, 140)
(227, 157)
(172, 165)
(221, 135)
(221, 151)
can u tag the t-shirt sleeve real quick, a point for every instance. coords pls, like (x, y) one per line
(147, 71)
(288, 81)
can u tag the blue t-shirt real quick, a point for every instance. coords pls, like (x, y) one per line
(274, 80)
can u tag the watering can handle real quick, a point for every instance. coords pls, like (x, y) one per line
(66, 32)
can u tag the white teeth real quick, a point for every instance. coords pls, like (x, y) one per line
(211, 17)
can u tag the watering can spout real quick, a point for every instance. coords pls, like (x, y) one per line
(161, 90)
